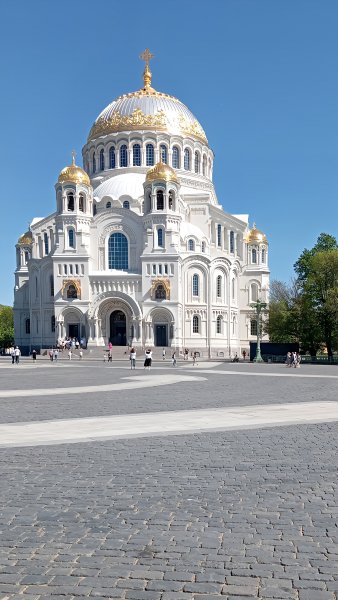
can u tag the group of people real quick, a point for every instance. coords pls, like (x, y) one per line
(71, 343)
(15, 354)
(293, 359)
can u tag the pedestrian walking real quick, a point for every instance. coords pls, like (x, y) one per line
(110, 355)
(194, 359)
(80, 355)
(13, 355)
(51, 355)
(17, 355)
(148, 359)
(173, 359)
(56, 354)
(69, 354)
(34, 355)
(288, 359)
(163, 354)
(132, 357)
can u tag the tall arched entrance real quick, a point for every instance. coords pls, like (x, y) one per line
(118, 328)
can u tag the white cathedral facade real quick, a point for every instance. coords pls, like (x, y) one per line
(139, 251)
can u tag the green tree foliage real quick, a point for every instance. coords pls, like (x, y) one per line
(6, 326)
(307, 310)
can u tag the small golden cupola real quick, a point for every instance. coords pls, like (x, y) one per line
(74, 174)
(26, 239)
(161, 172)
(255, 236)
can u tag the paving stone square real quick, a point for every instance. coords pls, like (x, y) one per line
(217, 513)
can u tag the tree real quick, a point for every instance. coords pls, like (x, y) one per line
(325, 243)
(321, 288)
(6, 326)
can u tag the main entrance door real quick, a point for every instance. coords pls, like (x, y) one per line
(74, 330)
(161, 335)
(118, 328)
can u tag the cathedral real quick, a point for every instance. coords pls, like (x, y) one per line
(139, 251)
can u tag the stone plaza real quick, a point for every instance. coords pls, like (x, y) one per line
(214, 481)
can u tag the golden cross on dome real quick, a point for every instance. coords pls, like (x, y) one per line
(73, 157)
(146, 56)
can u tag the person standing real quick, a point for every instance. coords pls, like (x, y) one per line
(13, 355)
(148, 359)
(132, 357)
(70, 354)
(163, 354)
(194, 358)
(173, 359)
(244, 354)
(80, 354)
(17, 355)
(34, 355)
(56, 354)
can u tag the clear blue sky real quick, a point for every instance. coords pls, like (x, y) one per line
(260, 75)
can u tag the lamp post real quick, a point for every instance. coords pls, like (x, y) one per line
(259, 307)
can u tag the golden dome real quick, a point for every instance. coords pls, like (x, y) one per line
(26, 239)
(255, 235)
(161, 172)
(74, 173)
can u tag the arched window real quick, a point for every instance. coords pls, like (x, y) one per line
(160, 292)
(70, 201)
(71, 291)
(94, 163)
(126, 204)
(197, 162)
(195, 324)
(253, 327)
(219, 324)
(204, 165)
(219, 286)
(118, 252)
(136, 155)
(81, 202)
(163, 154)
(108, 205)
(233, 289)
(52, 323)
(171, 200)
(26, 257)
(51, 285)
(46, 243)
(232, 242)
(176, 157)
(101, 160)
(123, 156)
(254, 292)
(263, 255)
(195, 285)
(203, 247)
(28, 326)
(191, 245)
(160, 238)
(219, 235)
(150, 156)
(254, 256)
(159, 200)
(71, 238)
(187, 159)
(112, 157)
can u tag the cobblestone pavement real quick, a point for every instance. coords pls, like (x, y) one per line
(227, 515)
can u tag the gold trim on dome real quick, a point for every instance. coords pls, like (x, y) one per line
(194, 129)
(137, 120)
(162, 172)
(26, 239)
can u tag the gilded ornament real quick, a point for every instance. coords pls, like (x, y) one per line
(74, 173)
(68, 282)
(161, 172)
(160, 281)
(255, 235)
(26, 239)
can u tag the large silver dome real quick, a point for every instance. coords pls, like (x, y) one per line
(150, 110)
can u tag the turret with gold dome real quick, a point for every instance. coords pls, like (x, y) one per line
(74, 174)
